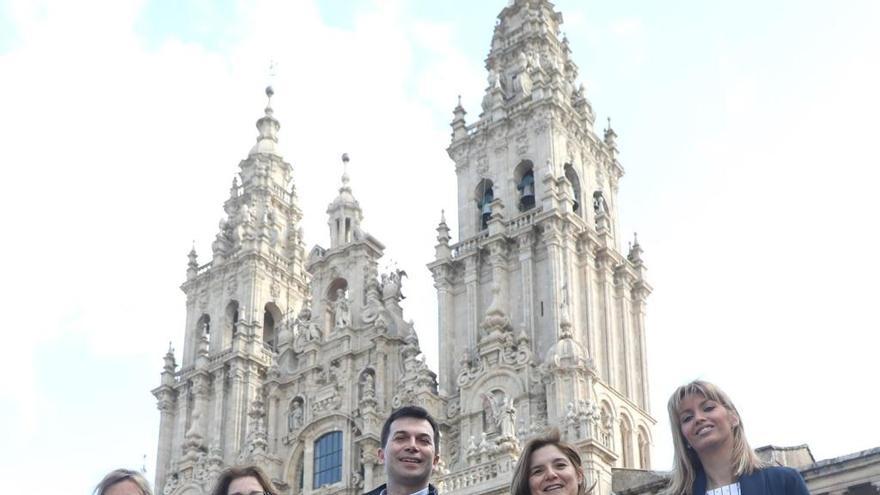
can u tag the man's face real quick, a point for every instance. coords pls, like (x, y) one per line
(409, 454)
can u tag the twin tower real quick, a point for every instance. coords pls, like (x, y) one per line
(292, 359)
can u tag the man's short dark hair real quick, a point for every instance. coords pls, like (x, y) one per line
(411, 412)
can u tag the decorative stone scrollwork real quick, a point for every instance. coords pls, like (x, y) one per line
(516, 353)
(171, 484)
(471, 368)
(452, 409)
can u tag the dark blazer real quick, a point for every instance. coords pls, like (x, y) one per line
(774, 480)
(432, 490)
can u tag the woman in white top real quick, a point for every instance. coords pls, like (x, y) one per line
(712, 455)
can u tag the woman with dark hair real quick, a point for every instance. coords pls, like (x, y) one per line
(712, 455)
(549, 464)
(243, 480)
(123, 482)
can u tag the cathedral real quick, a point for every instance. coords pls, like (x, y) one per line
(292, 358)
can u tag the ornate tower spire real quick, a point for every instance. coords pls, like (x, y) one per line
(344, 212)
(268, 125)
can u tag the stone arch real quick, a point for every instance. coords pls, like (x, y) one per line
(203, 327)
(189, 489)
(231, 314)
(271, 318)
(576, 190)
(643, 439)
(294, 470)
(334, 421)
(510, 384)
(606, 424)
(625, 429)
(484, 194)
(524, 179)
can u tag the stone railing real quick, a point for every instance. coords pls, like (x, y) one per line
(523, 220)
(468, 245)
(279, 259)
(515, 224)
(204, 268)
(469, 477)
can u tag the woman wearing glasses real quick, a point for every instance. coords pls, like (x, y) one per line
(712, 455)
(243, 480)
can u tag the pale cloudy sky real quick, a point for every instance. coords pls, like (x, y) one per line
(747, 130)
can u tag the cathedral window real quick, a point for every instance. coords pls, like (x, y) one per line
(524, 175)
(271, 315)
(232, 317)
(485, 194)
(644, 450)
(572, 177)
(626, 459)
(328, 459)
(203, 327)
(300, 476)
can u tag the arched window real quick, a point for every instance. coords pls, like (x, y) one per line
(606, 426)
(524, 175)
(232, 316)
(203, 327)
(271, 315)
(328, 459)
(625, 443)
(644, 450)
(484, 195)
(572, 177)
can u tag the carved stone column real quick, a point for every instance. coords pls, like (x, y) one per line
(471, 277)
(526, 249)
(234, 421)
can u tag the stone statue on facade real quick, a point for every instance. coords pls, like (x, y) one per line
(341, 310)
(368, 386)
(392, 285)
(374, 304)
(600, 206)
(295, 416)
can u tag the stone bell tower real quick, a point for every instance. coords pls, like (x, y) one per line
(541, 316)
(234, 306)
(289, 362)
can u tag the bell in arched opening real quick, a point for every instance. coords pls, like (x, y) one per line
(526, 188)
(486, 207)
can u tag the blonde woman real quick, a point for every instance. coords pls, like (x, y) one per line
(547, 465)
(712, 455)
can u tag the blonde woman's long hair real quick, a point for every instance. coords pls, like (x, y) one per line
(685, 461)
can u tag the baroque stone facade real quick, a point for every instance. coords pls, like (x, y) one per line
(292, 361)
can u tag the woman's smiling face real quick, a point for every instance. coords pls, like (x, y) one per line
(705, 423)
(551, 472)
